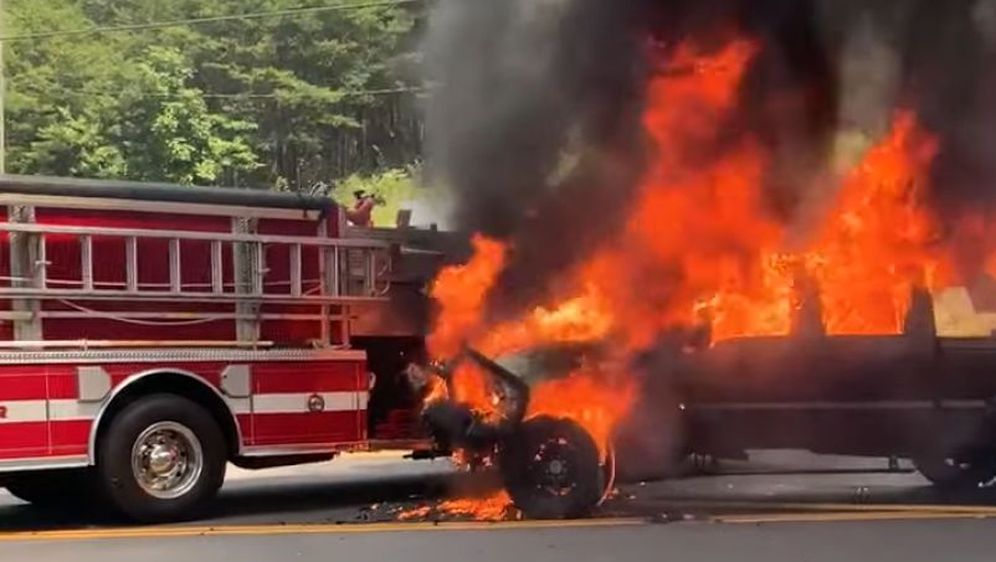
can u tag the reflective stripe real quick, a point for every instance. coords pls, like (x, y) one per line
(42, 463)
(19, 411)
(239, 406)
(72, 410)
(298, 402)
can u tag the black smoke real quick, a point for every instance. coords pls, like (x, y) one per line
(534, 123)
(949, 72)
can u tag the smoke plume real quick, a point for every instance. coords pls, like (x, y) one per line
(535, 124)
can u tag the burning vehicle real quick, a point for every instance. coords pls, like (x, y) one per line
(914, 395)
(551, 467)
(737, 220)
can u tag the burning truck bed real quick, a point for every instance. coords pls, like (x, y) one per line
(913, 395)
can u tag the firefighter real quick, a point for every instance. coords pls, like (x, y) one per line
(362, 212)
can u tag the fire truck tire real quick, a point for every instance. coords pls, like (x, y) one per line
(44, 489)
(161, 459)
(552, 470)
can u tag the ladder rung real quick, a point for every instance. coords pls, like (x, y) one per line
(330, 272)
(259, 269)
(131, 264)
(174, 265)
(86, 261)
(41, 264)
(295, 270)
(370, 273)
(217, 269)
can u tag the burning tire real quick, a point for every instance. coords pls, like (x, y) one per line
(162, 458)
(552, 470)
(957, 457)
(957, 472)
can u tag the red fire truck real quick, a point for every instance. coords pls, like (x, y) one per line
(150, 334)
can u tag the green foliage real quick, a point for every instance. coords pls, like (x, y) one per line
(259, 102)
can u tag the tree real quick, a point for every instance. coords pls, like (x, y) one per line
(289, 99)
(189, 143)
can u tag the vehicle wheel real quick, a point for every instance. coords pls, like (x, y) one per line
(552, 470)
(957, 472)
(162, 459)
(650, 443)
(51, 489)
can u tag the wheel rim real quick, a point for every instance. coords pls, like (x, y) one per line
(167, 460)
(553, 469)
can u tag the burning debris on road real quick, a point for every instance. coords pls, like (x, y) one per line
(628, 179)
(495, 507)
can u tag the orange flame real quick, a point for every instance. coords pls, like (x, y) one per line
(588, 399)
(460, 292)
(880, 240)
(495, 507)
(700, 246)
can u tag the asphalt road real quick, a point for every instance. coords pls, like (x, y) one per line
(780, 506)
(881, 541)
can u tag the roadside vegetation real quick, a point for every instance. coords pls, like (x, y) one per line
(286, 99)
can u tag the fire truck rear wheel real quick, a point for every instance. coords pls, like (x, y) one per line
(162, 459)
(552, 469)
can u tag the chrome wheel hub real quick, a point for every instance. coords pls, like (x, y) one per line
(167, 460)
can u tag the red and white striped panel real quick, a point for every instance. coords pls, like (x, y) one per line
(286, 405)
(41, 414)
(309, 404)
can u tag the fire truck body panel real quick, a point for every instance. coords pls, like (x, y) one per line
(274, 403)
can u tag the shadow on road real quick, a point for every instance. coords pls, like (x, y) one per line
(344, 501)
(773, 491)
(377, 496)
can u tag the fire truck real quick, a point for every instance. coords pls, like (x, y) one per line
(150, 334)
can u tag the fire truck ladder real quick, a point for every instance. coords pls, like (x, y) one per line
(350, 271)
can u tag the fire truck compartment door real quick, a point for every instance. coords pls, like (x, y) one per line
(308, 404)
(24, 422)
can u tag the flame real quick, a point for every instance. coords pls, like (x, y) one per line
(495, 507)
(588, 399)
(876, 243)
(460, 292)
(700, 247)
(578, 319)
(687, 107)
(881, 238)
